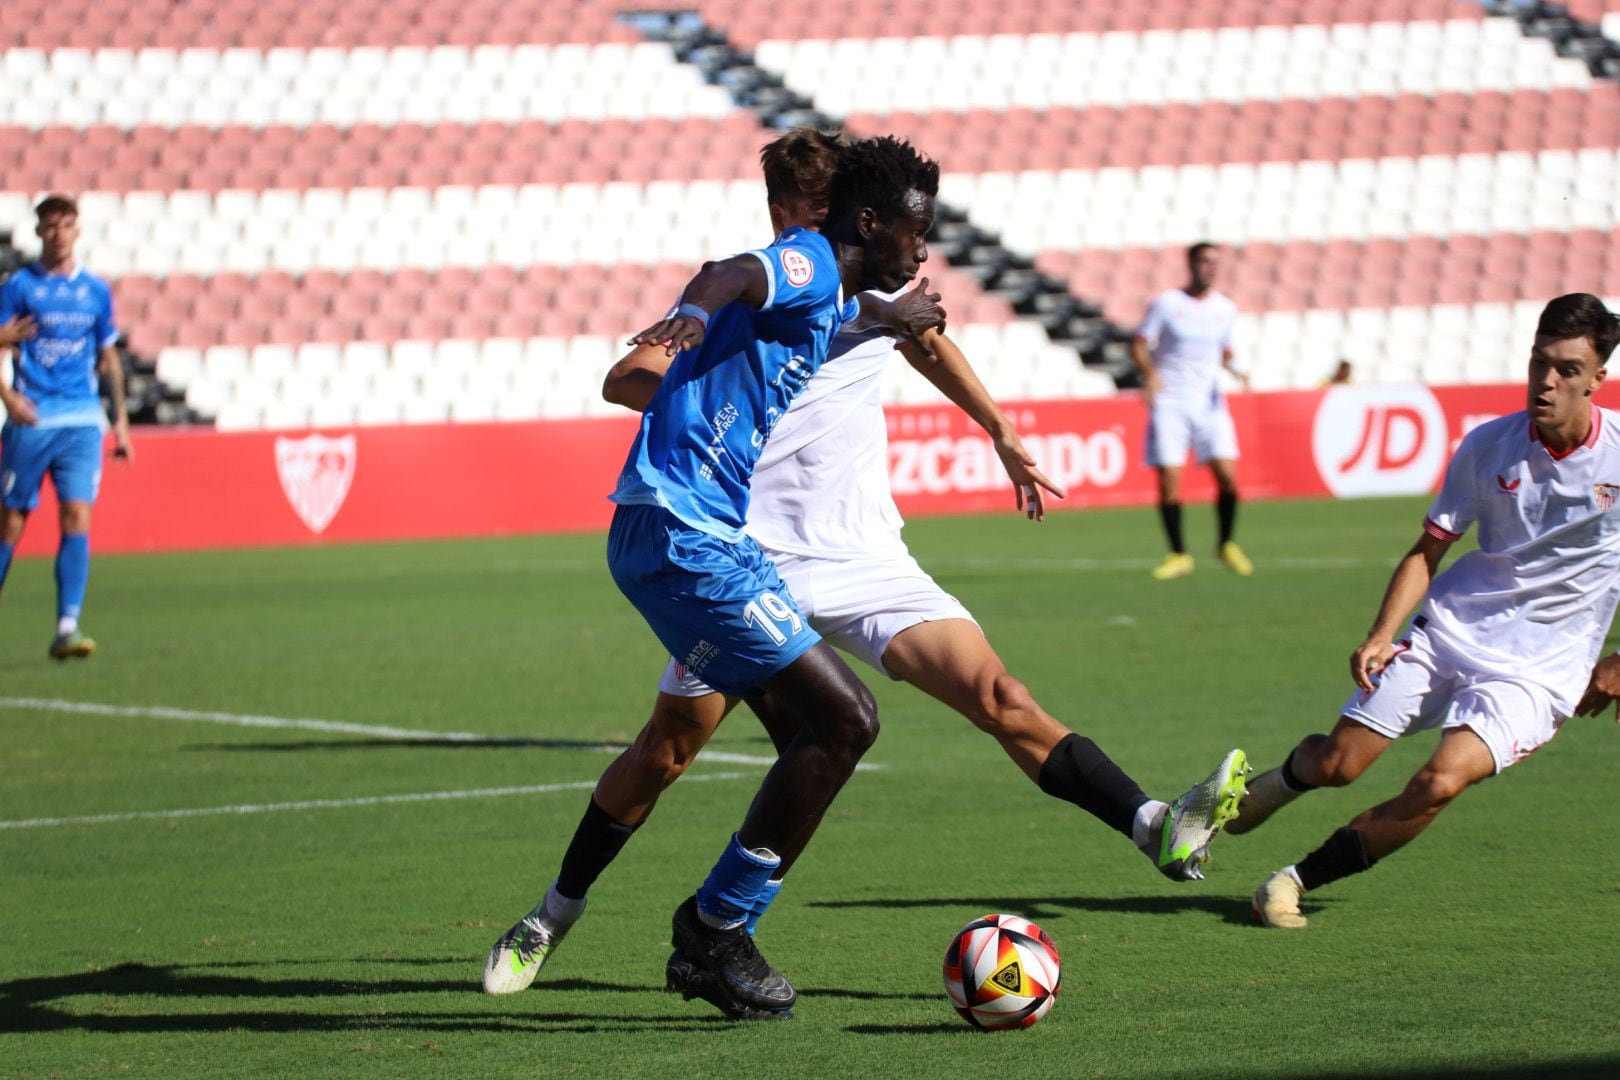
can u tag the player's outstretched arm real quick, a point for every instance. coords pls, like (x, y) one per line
(912, 314)
(1603, 689)
(634, 380)
(942, 363)
(1407, 587)
(112, 371)
(739, 279)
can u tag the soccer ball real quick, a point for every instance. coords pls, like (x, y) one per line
(1001, 972)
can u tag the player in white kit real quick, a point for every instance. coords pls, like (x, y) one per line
(821, 507)
(1504, 643)
(1183, 343)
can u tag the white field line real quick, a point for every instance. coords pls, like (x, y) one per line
(163, 712)
(326, 804)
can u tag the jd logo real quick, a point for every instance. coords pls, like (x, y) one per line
(1379, 440)
(315, 473)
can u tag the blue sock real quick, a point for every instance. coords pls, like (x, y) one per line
(767, 893)
(727, 898)
(5, 561)
(72, 574)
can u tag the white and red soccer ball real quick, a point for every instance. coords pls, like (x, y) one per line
(1001, 972)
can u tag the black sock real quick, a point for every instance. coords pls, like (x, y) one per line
(1345, 853)
(1170, 515)
(1078, 771)
(1289, 779)
(597, 842)
(1226, 514)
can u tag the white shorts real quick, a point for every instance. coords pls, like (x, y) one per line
(1174, 426)
(858, 605)
(1423, 689)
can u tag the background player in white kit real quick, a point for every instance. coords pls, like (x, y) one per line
(1183, 343)
(1506, 638)
(822, 509)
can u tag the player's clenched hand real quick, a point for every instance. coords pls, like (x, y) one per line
(1603, 688)
(1028, 482)
(1371, 658)
(919, 311)
(1150, 386)
(675, 334)
(17, 329)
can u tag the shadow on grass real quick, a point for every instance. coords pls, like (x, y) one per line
(31, 1005)
(1232, 910)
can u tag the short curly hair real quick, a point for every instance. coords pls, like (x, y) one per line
(878, 173)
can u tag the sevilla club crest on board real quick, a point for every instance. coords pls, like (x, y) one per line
(315, 473)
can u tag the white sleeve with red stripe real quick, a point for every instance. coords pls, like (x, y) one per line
(1457, 505)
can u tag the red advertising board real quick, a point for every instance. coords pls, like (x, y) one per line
(202, 489)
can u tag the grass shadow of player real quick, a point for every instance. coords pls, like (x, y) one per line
(39, 1004)
(1234, 911)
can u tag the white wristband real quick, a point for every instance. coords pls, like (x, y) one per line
(692, 311)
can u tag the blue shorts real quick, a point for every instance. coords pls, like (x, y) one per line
(72, 455)
(719, 608)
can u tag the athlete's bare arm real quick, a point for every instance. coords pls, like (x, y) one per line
(634, 380)
(942, 363)
(1406, 589)
(112, 372)
(17, 329)
(740, 278)
(1143, 359)
(1227, 359)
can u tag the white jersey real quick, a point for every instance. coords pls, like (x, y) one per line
(1537, 598)
(1188, 336)
(821, 486)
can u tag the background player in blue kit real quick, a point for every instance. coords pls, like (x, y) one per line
(62, 330)
(751, 331)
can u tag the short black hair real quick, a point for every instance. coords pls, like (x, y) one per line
(1198, 249)
(55, 204)
(1581, 315)
(877, 173)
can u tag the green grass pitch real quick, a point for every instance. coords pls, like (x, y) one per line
(346, 938)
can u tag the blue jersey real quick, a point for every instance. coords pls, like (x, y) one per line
(703, 431)
(56, 369)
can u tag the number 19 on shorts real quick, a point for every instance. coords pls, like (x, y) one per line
(770, 613)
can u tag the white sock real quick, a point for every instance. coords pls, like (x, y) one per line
(1293, 873)
(1142, 830)
(559, 912)
(67, 624)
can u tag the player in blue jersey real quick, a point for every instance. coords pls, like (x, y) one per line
(872, 606)
(59, 321)
(750, 332)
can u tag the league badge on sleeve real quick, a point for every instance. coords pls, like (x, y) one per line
(798, 267)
